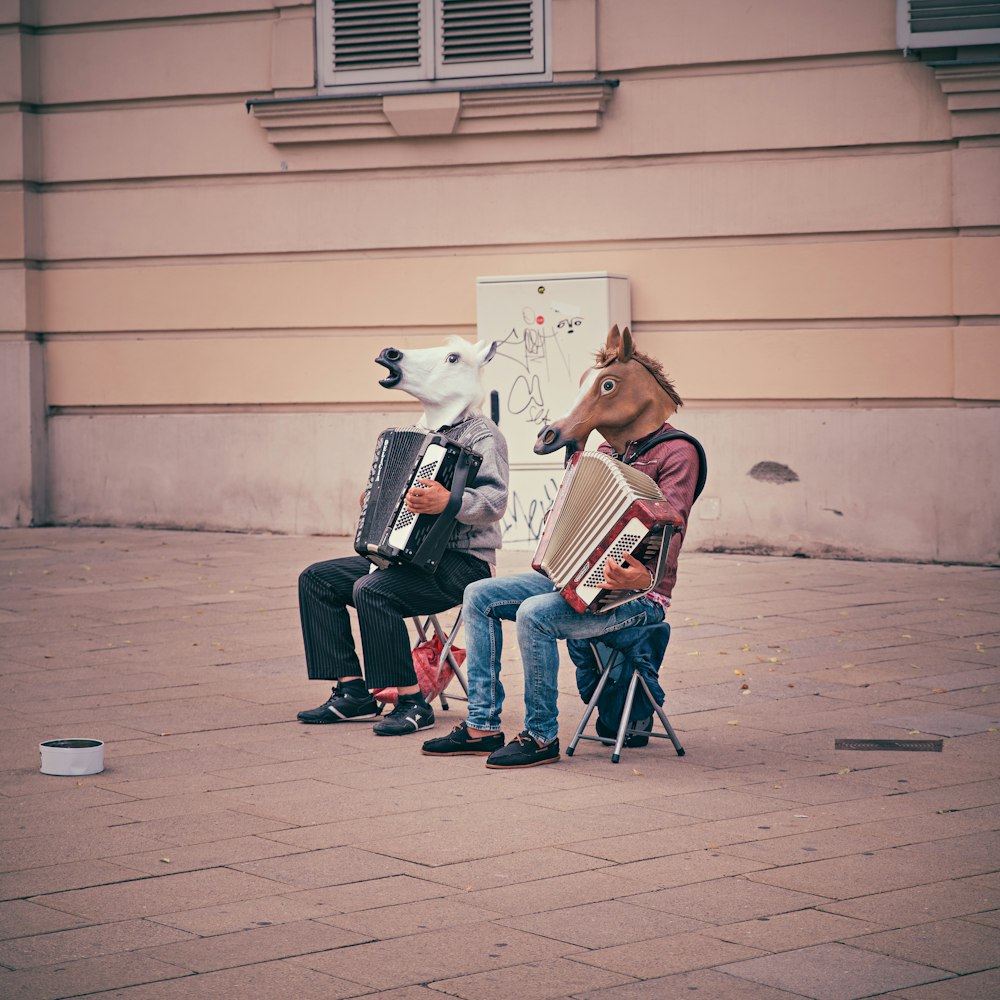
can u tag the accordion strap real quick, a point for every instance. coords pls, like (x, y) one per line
(675, 435)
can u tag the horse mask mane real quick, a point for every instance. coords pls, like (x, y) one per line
(625, 395)
(604, 357)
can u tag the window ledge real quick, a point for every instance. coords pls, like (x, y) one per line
(470, 111)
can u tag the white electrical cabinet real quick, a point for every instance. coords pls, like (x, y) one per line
(547, 327)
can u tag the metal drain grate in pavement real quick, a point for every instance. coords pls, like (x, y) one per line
(848, 744)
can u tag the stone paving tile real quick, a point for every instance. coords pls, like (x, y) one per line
(20, 918)
(705, 983)
(665, 955)
(721, 804)
(725, 900)
(978, 986)
(69, 845)
(86, 942)
(59, 878)
(954, 945)
(284, 771)
(682, 869)
(349, 897)
(315, 869)
(991, 880)
(89, 975)
(834, 972)
(148, 896)
(155, 788)
(958, 680)
(547, 894)
(411, 917)
(419, 958)
(795, 929)
(214, 854)
(260, 944)
(242, 915)
(597, 925)
(472, 838)
(817, 788)
(881, 871)
(526, 865)
(365, 830)
(690, 780)
(944, 723)
(749, 830)
(279, 980)
(991, 918)
(58, 795)
(174, 761)
(838, 842)
(549, 980)
(214, 824)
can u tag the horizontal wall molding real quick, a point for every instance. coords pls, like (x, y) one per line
(804, 198)
(407, 413)
(800, 109)
(917, 363)
(819, 280)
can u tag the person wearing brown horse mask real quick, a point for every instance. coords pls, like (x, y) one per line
(629, 399)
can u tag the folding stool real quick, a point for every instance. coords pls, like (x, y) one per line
(431, 625)
(607, 658)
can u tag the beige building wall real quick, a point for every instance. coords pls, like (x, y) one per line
(191, 292)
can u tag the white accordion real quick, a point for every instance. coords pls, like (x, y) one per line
(604, 509)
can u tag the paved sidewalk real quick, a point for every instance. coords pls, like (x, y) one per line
(228, 851)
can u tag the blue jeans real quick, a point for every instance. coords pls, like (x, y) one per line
(543, 618)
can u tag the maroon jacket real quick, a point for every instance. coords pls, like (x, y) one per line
(673, 466)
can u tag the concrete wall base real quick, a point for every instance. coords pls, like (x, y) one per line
(872, 483)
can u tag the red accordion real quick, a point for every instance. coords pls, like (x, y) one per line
(604, 509)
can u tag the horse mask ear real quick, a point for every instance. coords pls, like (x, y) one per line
(620, 343)
(485, 352)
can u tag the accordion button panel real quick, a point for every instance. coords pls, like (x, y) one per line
(400, 533)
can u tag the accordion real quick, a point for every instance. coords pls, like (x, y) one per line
(389, 534)
(604, 509)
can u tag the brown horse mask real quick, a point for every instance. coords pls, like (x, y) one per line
(625, 396)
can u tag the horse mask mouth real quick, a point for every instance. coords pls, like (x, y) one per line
(550, 439)
(389, 358)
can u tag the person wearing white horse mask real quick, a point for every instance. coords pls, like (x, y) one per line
(447, 382)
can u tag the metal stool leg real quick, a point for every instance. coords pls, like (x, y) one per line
(591, 705)
(623, 723)
(663, 718)
(431, 624)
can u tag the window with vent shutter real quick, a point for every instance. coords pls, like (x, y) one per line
(924, 24)
(380, 45)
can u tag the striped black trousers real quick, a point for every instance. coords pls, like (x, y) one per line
(383, 601)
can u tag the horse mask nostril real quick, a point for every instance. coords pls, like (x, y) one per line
(391, 354)
(548, 436)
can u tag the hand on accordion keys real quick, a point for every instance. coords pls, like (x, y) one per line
(429, 497)
(629, 574)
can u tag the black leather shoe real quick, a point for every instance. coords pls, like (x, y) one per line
(344, 705)
(524, 751)
(459, 743)
(407, 717)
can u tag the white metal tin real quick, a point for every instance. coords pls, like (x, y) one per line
(72, 756)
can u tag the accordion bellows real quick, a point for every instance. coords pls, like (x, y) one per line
(604, 509)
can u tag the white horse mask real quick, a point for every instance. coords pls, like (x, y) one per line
(445, 379)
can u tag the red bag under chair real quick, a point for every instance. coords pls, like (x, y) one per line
(426, 656)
